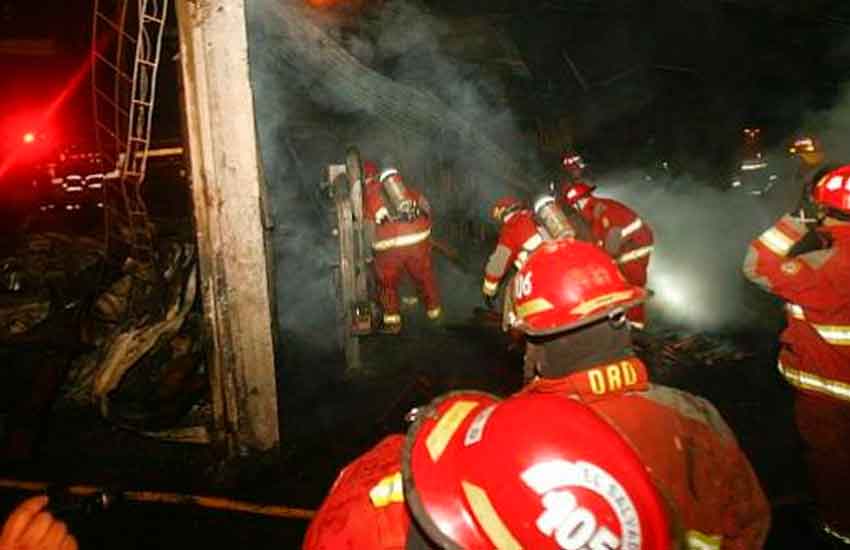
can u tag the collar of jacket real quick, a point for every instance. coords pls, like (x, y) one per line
(598, 382)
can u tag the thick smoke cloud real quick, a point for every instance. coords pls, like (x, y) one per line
(307, 115)
(702, 229)
(701, 235)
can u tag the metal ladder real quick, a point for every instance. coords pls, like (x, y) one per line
(126, 50)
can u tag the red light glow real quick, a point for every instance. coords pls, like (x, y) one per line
(29, 137)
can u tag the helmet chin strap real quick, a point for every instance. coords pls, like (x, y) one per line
(573, 351)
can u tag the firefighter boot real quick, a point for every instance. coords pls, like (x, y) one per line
(391, 324)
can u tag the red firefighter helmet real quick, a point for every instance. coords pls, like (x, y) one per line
(808, 149)
(572, 192)
(505, 206)
(572, 162)
(566, 284)
(537, 471)
(370, 170)
(833, 190)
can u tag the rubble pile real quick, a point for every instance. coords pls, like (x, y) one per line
(671, 349)
(130, 337)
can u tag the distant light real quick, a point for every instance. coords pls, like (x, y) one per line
(29, 137)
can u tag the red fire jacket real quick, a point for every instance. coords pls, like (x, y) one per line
(687, 448)
(365, 509)
(815, 354)
(517, 238)
(389, 233)
(619, 230)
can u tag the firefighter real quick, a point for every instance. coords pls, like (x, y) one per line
(535, 471)
(813, 277)
(400, 225)
(31, 526)
(518, 237)
(620, 231)
(570, 300)
(574, 168)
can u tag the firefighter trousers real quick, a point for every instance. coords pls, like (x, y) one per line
(635, 273)
(824, 425)
(415, 260)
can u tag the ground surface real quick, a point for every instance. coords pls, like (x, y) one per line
(327, 422)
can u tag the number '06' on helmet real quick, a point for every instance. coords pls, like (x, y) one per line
(567, 284)
(536, 472)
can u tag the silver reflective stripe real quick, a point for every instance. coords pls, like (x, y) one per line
(402, 240)
(795, 311)
(777, 241)
(815, 383)
(521, 258)
(635, 254)
(532, 243)
(631, 228)
(837, 335)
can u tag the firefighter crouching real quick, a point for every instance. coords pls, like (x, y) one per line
(400, 220)
(815, 346)
(570, 300)
(620, 231)
(535, 471)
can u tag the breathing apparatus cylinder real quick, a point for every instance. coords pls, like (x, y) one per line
(396, 196)
(550, 216)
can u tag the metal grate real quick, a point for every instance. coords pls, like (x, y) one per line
(126, 48)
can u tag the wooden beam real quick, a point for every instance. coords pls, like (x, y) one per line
(227, 189)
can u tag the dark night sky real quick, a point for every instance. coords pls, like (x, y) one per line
(708, 67)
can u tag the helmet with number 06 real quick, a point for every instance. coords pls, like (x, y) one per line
(537, 471)
(566, 284)
(833, 190)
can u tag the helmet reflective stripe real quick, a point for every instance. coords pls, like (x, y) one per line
(387, 173)
(487, 516)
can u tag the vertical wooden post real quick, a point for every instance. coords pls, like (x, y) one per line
(227, 189)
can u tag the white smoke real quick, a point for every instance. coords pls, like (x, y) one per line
(307, 116)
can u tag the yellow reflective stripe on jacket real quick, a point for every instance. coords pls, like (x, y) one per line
(777, 241)
(528, 247)
(532, 243)
(701, 541)
(635, 254)
(815, 383)
(837, 335)
(387, 491)
(631, 228)
(402, 240)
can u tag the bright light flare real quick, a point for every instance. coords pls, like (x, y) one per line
(28, 138)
